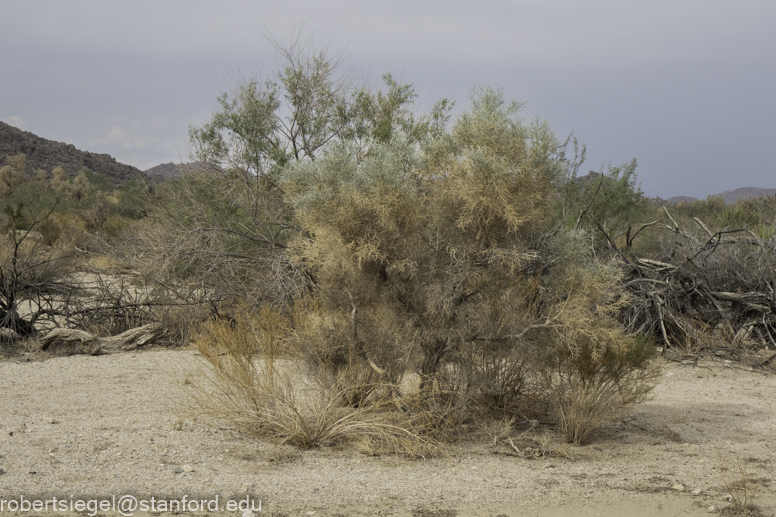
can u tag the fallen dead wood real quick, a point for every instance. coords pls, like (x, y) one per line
(702, 291)
(132, 339)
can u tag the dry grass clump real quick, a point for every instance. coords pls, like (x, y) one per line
(742, 494)
(257, 378)
(587, 391)
(260, 383)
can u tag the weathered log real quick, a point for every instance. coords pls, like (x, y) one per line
(132, 339)
(744, 299)
(68, 336)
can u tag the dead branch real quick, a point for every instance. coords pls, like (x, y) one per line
(583, 212)
(703, 290)
(676, 226)
(629, 239)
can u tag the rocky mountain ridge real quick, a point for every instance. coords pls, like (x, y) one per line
(46, 154)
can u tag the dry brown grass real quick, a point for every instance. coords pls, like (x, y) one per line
(501, 382)
(743, 493)
(104, 263)
(583, 407)
(255, 380)
(530, 443)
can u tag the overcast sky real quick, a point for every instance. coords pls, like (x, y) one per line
(687, 87)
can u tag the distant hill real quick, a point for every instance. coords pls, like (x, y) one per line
(167, 171)
(731, 196)
(47, 154)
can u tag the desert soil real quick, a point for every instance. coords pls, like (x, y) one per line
(97, 427)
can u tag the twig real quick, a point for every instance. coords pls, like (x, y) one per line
(513, 446)
(513, 336)
(512, 454)
(629, 240)
(583, 212)
(634, 425)
(611, 242)
(768, 361)
(666, 343)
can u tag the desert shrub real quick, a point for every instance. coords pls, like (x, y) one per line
(135, 199)
(592, 368)
(73, 209)
(610, 199)
(64, 228)
(50, 229)
(595, 386)
(423, 265)
(217, 238)
(116, 225)
(413, 264)
(704, 208)
(754, 214)
(226, 228)
(738, 215)
(12, 174)
(31, 274)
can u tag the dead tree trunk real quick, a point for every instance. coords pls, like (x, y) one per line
(87, 343)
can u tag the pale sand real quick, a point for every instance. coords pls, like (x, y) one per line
(96, 427)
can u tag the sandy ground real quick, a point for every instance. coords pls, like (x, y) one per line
(96, 428)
